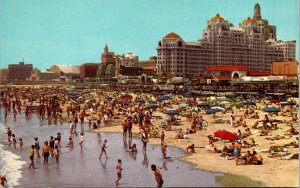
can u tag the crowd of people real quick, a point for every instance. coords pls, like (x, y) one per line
(81, 108)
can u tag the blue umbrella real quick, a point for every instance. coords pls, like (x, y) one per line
(171, 111)
(287, 103)
(187, 95)
(213, 110)
(249, 103)
(109, 97)
(164, 97)
(140, 100)
(151, 106)
(270, 109)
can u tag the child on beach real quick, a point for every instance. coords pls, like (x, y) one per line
(56, 153)
(103, 149)
(119, 169)
(14, 141)
(81, 141)
(21, 143)
(157, 175)
(9, 133)
(3, 180)
(70, 144)
(191, 148)
(37, 147)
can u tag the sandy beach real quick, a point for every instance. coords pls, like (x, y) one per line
(274, 172)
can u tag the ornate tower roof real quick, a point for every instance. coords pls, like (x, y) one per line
(217, 17)
(172, 35)
(256, 14)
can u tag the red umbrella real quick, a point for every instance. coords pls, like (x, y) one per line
(225, 135)
(274, 101)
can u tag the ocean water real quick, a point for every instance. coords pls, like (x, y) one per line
(10, 163)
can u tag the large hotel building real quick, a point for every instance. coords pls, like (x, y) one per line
(253, 43)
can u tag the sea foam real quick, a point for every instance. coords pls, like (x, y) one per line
(10, 164)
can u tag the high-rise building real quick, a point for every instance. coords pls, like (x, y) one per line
(252, 43)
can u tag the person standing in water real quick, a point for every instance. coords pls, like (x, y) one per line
(37, 147)
(119, 169)
(46, 152)
(81, 140)
(56, 153)
(3, 180)
(21, 143)
(103, 149)
(31, 157)
(157, 175)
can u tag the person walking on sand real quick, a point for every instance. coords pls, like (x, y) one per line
(157, 175)
(119, 169)
(237, 151)
(103, 149)
(162, 138)
(31, 157)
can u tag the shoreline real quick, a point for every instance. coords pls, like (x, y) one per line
(212, 163)
(254, 183)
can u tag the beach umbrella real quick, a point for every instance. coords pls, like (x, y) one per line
(225, 99)
(249, 103)
(109, 97)
(287, 103)
(183, 105)
(270, 109)
(211, 98)
(237, 105)
(92, 100)
(164, 97)
(274, 101)
(202, 104)
(151, 106)
(196, 109)
(226, 135)
(126, 97)
(224, 102)
(140, 100)
(218, 107)
(187, 95)
(171, 112)
(213, 110)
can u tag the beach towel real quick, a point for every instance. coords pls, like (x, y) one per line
(290, 156)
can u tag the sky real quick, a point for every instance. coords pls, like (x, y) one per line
(72, 32)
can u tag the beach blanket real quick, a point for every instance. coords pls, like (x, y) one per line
(290, 156)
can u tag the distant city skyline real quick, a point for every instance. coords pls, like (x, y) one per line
(73, 32)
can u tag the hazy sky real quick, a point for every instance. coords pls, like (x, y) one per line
(47, 32)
